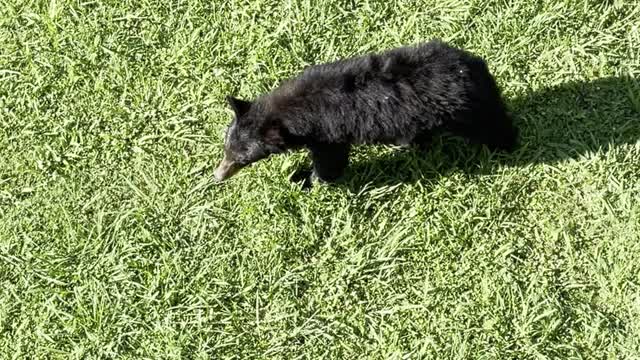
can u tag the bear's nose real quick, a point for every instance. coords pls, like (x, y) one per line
(218, 175)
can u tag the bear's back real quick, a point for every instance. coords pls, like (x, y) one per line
(427, 62)
(392, 94)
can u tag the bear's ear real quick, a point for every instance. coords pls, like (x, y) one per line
(240, 107)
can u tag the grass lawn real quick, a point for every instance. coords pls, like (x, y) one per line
(115, 242)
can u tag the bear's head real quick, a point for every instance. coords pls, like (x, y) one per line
(253, 135)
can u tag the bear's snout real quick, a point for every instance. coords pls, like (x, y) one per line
(226, 169)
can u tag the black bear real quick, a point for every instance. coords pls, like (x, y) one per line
(402, 96)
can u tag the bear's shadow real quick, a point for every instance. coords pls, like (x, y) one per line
(557, 123)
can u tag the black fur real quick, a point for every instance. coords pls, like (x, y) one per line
(401, 96)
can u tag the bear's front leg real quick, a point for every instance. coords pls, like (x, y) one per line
(329, 161)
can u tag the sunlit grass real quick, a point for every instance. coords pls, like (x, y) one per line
(115, 242)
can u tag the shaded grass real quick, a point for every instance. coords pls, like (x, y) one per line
(114, 241)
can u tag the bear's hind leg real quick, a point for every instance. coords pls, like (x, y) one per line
(423, 140)
(494, 129)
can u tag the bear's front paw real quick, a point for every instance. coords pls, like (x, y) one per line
(304, 176)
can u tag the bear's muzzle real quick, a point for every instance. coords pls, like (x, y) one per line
(226, 169)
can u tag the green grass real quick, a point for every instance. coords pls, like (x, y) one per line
(116, 243)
